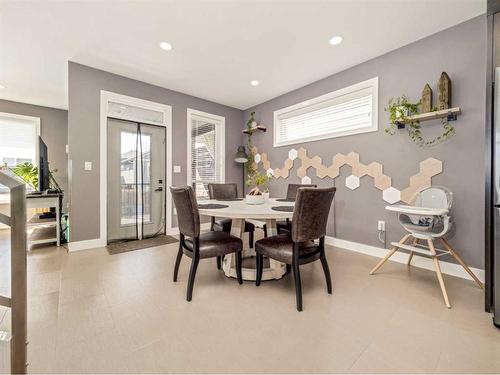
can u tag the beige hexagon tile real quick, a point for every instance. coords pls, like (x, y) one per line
(322, 171)
(375, 169)
(338, 160)
(382, 182)
(302, 153)
(420, 181)
(277, 173)
(352, 159)
(408, 194)
(266, 164)
(359, 169)
(333, 171)
(431, 167)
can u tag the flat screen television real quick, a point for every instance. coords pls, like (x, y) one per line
(43, 166)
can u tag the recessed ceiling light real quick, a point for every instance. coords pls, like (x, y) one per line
(165, 46)
(254, 83)
(2, 87)
(336, 40)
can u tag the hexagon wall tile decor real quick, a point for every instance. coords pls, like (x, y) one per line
(306, 180)
(391, 195)
(428, 168)
(352, 182)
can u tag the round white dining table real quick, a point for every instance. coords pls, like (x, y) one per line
(239, 211)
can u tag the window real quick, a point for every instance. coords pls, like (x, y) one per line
(351, 110)
(206, 156)
(18, 141)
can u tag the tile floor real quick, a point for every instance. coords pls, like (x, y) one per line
(93, 312)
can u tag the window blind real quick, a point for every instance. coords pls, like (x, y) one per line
(347, 112)
(18, 140)
(205, 165)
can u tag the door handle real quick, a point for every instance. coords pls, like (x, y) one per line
(159, 189)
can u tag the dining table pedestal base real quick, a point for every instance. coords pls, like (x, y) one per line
(274, 270)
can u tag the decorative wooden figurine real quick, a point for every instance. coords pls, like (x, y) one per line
(444, 91)
(426, 101)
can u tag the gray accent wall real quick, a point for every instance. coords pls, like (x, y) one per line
(85, 85)
(461, 52)
(53, 130)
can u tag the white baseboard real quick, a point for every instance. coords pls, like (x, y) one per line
(418, 261)
(85, 245)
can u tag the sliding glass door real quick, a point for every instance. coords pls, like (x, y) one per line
(135, 180)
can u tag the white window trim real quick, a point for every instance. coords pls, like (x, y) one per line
(36, 121)
(221, 140)
(370, 83)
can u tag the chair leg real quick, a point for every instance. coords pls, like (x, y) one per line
(410, 257)
(178, 262)
(238, 267)
(326, 270)
(264, 228)
(250, 239)
(438, 273)
(219, 263)
(462, 263)
(389, 254)
(298, 285)
(288, 268)
(192, 274)
(259, 263)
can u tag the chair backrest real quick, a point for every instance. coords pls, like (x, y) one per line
(222, 191)
(291, 192)
(310, 215)
(187, 210)
(434, 197)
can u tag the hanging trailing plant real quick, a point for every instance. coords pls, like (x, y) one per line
(250, 165)
(401, 111)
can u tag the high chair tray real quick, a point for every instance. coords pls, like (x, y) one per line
(415, 210)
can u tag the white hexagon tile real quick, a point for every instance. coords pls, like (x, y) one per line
(391, 195)
(292, 154)
(352, 182)
(256, 158)
(270, 172)
(306, 180)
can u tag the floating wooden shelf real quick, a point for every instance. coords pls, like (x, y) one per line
(449, 113)
(255, 129)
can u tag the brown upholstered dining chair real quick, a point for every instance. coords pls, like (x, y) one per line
(198, 245)
(291, 193)
(227, 191)
(310, 217)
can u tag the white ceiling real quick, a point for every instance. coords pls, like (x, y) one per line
(218, 47)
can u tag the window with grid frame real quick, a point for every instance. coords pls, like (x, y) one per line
(350, 110)
(206, 133)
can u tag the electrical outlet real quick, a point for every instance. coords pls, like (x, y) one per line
(381, 225)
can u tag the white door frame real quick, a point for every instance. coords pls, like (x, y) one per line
(106, 97)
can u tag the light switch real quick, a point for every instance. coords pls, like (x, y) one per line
(177, 169)
(88, 165)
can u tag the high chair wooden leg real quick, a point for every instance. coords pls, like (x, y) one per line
(438, 273)
(389, 254)
(448, 247)
(415, 242)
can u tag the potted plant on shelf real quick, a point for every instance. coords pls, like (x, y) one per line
(401, 114)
